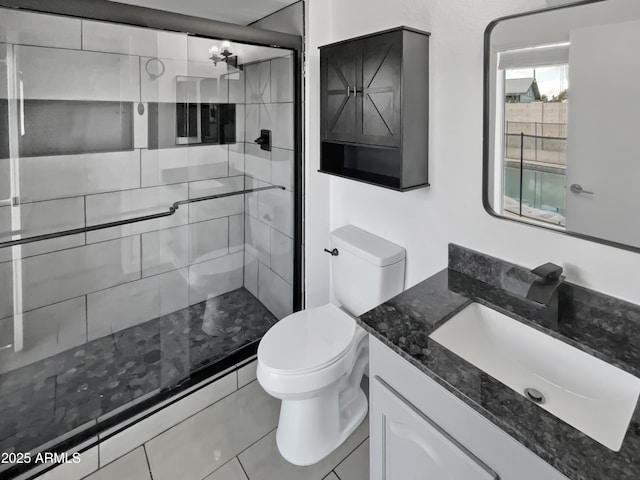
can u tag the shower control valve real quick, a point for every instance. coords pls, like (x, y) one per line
(334, 252)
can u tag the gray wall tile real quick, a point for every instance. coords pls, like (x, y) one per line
(282, 168)
(6, 289)
(208, 240)
(257, 162)
(47, 331)
(77, 75)
(257, 239)
(5, 233)
(236, 159)
(236, 233)
(251, 199)
(282, 79)
(141, 127)
(46, 217)
(116, 38)
(251, 273)
(127, 305)
(258, 82)
(278, 117)
(58, 276)
(240, 123)
(275, 208)
(36, 29)
(221, 207)
(252, 122)
(110, 207)
(46, 178)
(236, 87)
(215, 277)
(5, 178)
(274, 292)
(165, 250)
(184, 164)
(282, 255)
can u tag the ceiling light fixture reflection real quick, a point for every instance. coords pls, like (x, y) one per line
(223, 53)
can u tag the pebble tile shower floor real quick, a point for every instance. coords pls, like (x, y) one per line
(50, 398)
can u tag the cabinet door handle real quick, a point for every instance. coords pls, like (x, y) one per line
(348, 91)
(355, 92)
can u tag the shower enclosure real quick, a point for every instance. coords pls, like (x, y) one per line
(150, 209)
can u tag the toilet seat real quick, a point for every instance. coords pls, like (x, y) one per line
(307, 341)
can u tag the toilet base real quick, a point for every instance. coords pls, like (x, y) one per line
(307, 431)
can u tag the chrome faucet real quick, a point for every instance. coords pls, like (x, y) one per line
(544, 290)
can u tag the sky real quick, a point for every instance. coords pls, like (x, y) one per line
(551, 80)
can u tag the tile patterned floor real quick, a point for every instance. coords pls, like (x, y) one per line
(232, 438)
(45, 400)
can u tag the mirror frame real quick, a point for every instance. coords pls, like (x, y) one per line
(487, 131)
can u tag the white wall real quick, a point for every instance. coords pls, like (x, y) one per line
(425, 221)
(317, 185)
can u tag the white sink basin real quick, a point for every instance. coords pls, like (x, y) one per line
(591, 395)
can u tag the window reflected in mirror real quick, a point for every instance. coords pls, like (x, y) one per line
(534, 153)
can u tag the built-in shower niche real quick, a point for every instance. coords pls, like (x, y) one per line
(188, 123)
(67, 127)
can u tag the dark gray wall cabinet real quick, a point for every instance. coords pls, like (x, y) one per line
(374, 108)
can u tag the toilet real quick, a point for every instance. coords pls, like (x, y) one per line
(313, 360)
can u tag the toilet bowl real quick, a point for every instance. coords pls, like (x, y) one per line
(314, 360)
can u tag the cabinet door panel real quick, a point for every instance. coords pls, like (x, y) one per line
(407, 445)
(339, 66)
(381, 89)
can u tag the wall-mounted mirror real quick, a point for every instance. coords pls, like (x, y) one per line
(562, 120)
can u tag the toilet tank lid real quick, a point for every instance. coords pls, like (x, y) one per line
(373, 249)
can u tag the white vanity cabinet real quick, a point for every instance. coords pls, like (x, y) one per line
(412, 445)
(420, 431)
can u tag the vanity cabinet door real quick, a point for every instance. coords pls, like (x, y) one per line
(340, 68)
(407, 445)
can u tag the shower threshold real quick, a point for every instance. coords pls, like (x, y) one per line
(50, 400)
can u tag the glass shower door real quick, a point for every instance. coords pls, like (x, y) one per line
(144, 234)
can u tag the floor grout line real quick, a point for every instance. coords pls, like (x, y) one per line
(350, 453)
(144, 449)
(242, 466)
(241, 452)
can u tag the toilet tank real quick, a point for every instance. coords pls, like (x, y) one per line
(367, 271)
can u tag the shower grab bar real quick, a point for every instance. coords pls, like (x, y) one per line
(172, 209)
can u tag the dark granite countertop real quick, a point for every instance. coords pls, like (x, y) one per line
(599, 325)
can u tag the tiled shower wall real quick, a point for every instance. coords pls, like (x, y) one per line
(79, 288)
(268, 256)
